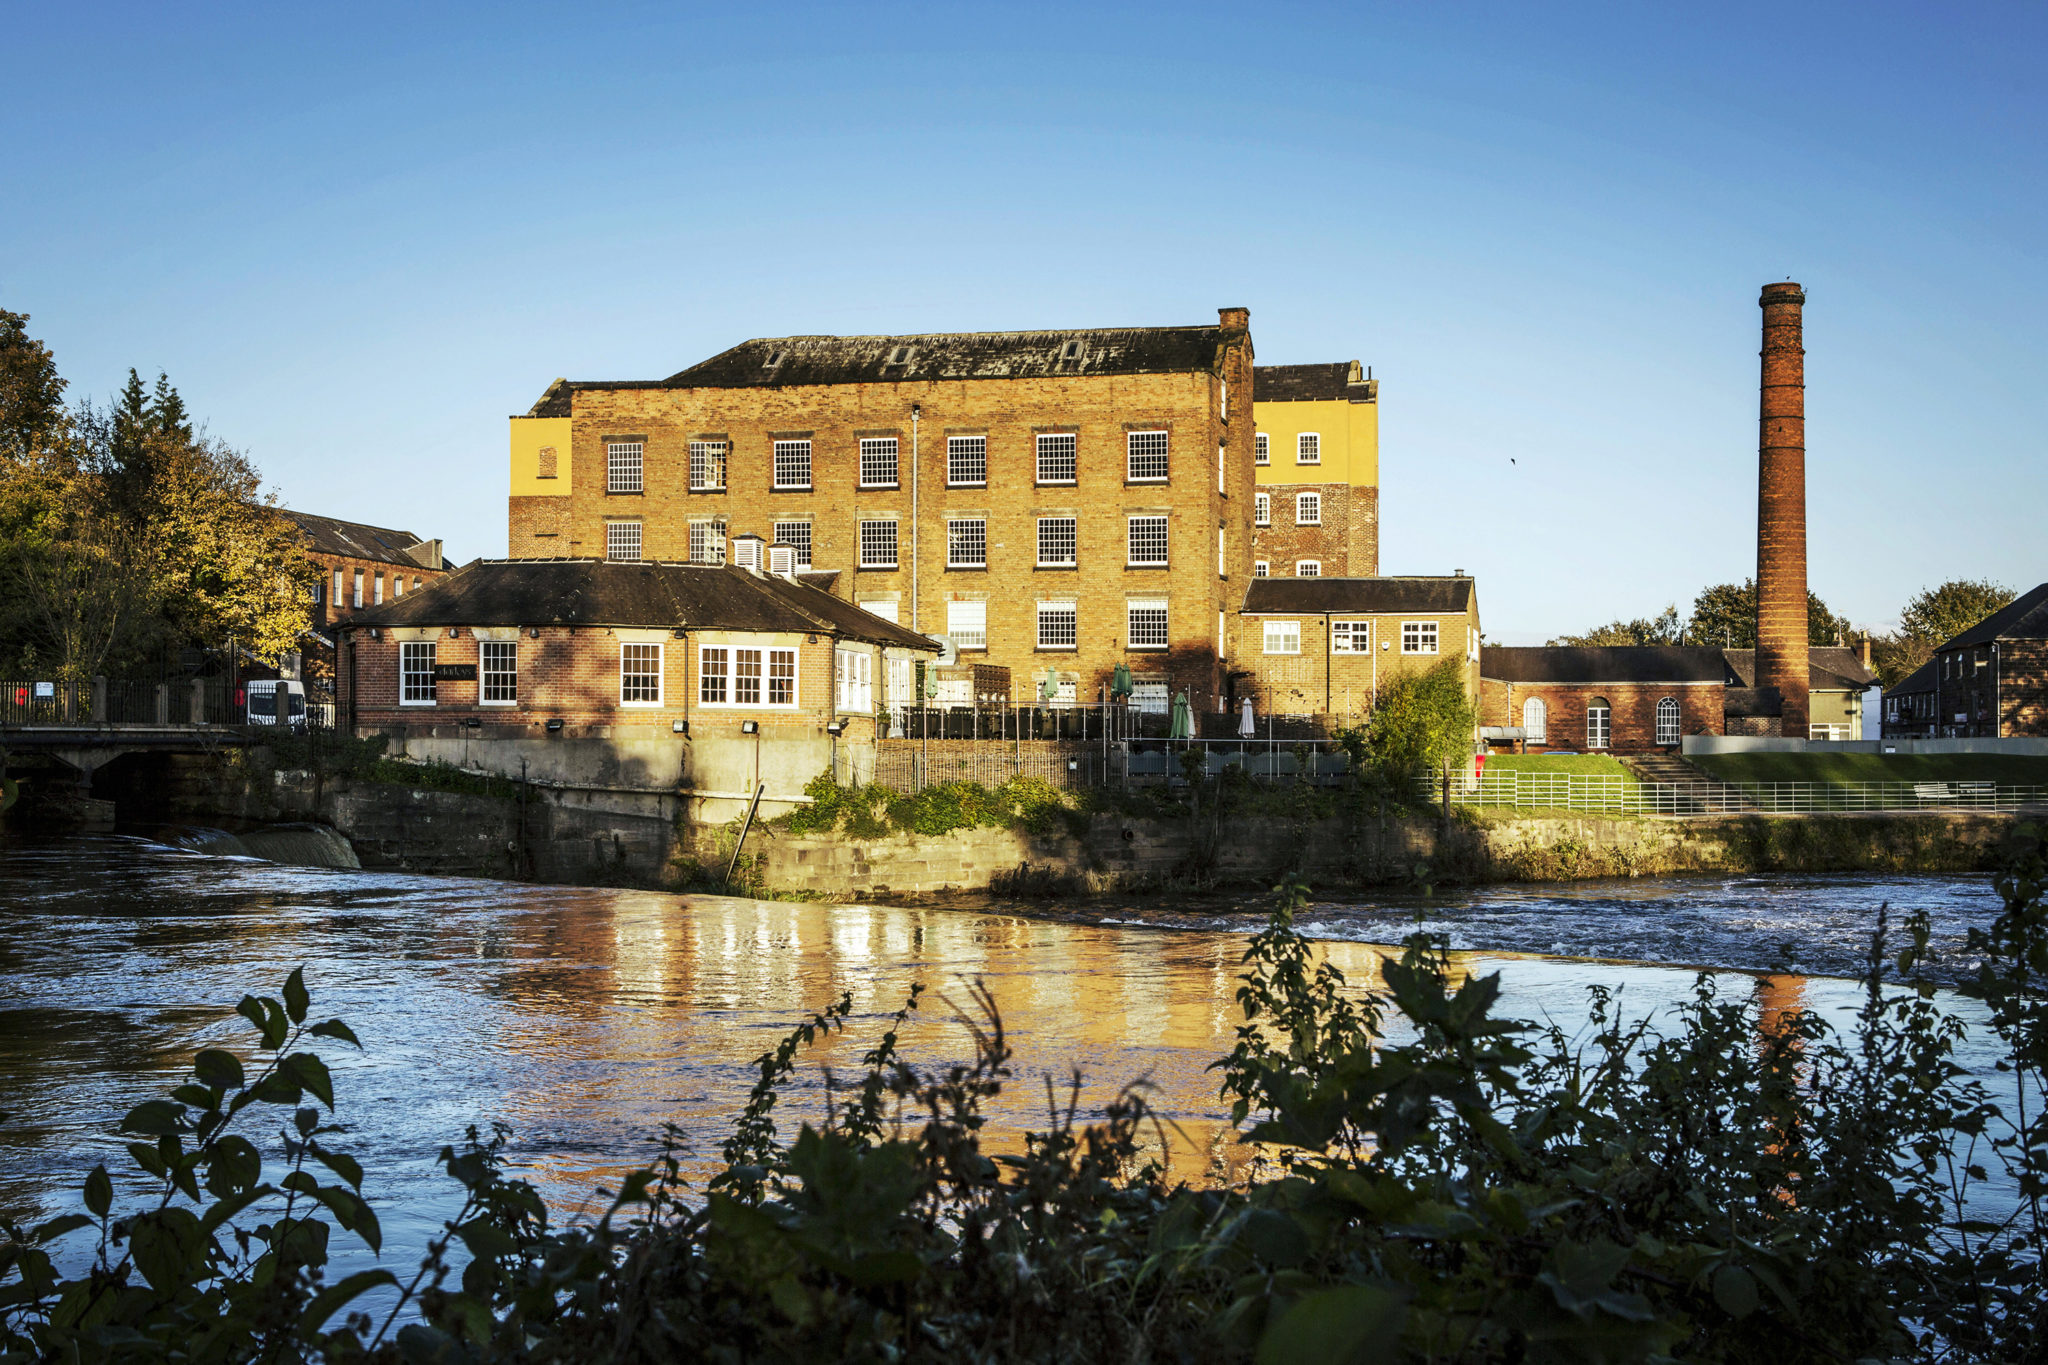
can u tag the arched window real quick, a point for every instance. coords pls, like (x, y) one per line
(1535, 721)
(1597, 717)
(1667, 721)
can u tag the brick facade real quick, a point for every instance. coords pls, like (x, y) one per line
(1334, 662)
(2023, 687)
(537, 527)
(1632, 712)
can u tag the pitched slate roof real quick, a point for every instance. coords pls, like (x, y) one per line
(2023, 618)
(596, 592)
(1335, 380)
(1828, 667)
(1362, 596)
(1604, 664)
(1920, 679)
(354, 540)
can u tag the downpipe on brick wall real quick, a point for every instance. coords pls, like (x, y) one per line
(914, 413)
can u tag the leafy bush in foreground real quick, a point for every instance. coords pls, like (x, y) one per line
(1439, 1183)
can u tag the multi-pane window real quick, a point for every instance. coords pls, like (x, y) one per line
(878, 544)
(854, 673)
(1308, 568)
(1145, 456)
(622, 540)
(316, 592)
(640, 675)
(1308, 448)
(966, 460)
(1535, 721)
(707, 541)
(1598, 723)
(416, 673)
(1350, 637)
(967, 543)
(782, 677)
(1262, 449)
(1057, 625)
(878, 462)
(1056, 457)
(622, 460)
(398, 585)
(714, 674)
(798, 535)
(967, 624)
(1667, 721)
(498, 672)
(1283, 637)
(1418, 637)
(707, 466)
(337, 588)
(1147, 541)
(377, 590)
(1262, 509)
(746, 677)
(1262, 568)
(1308, 509)
(1146, 621)
(792, 464)
(1057, 542)
(359, 588)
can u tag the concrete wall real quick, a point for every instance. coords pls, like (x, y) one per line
(1747, 744)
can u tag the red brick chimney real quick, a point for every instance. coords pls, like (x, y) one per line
(1781, 659)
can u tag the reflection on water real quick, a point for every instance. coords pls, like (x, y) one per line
(587, 1018)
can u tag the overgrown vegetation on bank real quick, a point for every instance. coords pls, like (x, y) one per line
(328, 753)
(1440, 1182)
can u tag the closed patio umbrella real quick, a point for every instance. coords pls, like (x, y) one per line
(1183, 726)
(1247, 724)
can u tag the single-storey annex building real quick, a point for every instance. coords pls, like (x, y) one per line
(1325, 646)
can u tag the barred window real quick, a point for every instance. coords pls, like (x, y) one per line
(1057, 459)
(877, 462)
(707, 466)
(1146, 620)
(1148, 541)
(416, 673)
(1262, 450)
(499, 670)
(1057, 542)
(1308, 509)
(782, 677)
(1145, 456)
(746, 677)
(622, 466)
(1262, 509)
(712, 674)
(1418, 637)
(1057, 625)
(967, 543)
(640, 675)
(878, 545)
(792, 464)
(797, 534)
(707, 542)
(1351, 637)
(1283, 637)
(1308, 568)
(966, 460)
(967, 624)
(622, 540)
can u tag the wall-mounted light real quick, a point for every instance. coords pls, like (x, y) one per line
(835, 728)
(679, 727)
(533, 632)
(374, 635)
(555, 726)
(679, 634)
(811, 639)
(473, 724)
(750, 727)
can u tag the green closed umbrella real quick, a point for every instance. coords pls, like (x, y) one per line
(1120, 681)
(1183, 726)
(1050, 688)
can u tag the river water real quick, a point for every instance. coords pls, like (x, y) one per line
(588, 1018)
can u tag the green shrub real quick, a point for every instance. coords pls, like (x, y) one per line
(873, 811)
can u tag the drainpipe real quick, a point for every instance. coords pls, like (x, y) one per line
(914, 594)
(1326, 663)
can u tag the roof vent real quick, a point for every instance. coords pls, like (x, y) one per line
(746, 552)
(782, 560)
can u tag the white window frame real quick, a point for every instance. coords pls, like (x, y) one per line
(966, 451)
(714, 675)
(359, 588)
(1072, 538)
(708, 461)
(1419, 637)
(964, 636)
(626, 648)
(411, 692)
(1053, 609)
(1133, 455)
(1165, 537)
(803, 546)
(377, 589)
(1220, 453)
(878, 456)
(1599, 724)
(1151, 606)
(625, 467)
(340, 589)
(1050, 445)
(1351, 637)
(1535, 721)
(786, 455)
(1308, 509)
(1262, 568)
(1283, 637)
(1222, 569)
(1262, 449)
(895, 543)
(707, 543)
(397, 586)
(1308, 568)
(960, 542)
(1669, 707)
(1308, 448)
(1262, 509)
(490, 678)
(853, 672)
(616, 538)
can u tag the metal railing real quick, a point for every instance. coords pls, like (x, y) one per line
(124, 702)
(1601, 793)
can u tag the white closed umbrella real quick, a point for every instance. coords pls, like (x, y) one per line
(1246, 726)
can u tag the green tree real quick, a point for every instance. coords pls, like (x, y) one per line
(1934, 615)
(1422, 723)
(1665, 629)
(31, 393)
(1725, 615)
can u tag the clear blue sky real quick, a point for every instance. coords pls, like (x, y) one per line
(358, 239)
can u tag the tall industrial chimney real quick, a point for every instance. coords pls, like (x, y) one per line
(1781, 659)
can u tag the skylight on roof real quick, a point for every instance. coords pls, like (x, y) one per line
(774, 358)
(899, 355)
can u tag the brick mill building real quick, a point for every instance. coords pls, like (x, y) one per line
(1990, 681)
(1317, 451)
(1325, 646)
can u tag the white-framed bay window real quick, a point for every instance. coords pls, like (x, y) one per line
(640, 674)
(746, 675)
(416, 673)
(1283, 637)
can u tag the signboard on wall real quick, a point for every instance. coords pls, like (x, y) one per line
(454, 673)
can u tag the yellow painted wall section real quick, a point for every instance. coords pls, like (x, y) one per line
(532, 438)
(1350, 442)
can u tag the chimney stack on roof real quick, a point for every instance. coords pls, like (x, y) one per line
(1781, 659)
(1234, 319)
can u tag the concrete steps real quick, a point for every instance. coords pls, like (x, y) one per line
(1672, 770)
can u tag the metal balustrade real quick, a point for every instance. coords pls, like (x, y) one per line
(1608, 794)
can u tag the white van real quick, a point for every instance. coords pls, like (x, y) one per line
(275, 701)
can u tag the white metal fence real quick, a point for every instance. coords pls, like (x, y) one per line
(1626, 796)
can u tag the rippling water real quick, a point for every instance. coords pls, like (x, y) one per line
(587, 1018)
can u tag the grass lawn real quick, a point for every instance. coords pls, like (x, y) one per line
(2000, 768)
(1579, 765)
